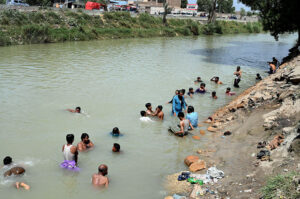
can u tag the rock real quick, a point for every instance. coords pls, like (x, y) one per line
(202, 132)
(248, 191)
(230, 118)
(169, 197)
(212, 129)
(191, 159)
(294, 77)
(241, 105)
(197, 190)
(196, 137)
(285, 170)
(197, 166)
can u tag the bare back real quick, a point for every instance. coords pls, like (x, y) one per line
(100, 180)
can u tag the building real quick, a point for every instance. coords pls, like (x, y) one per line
(192, 5)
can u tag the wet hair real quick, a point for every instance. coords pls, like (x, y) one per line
(190, 89)
(78, 108)
(177, 92)
(84, 135)
(190, 109)
(70, 138)
(258, 75)
(238, 68)
(202, 84)
(102, 169)
(183, 91)
(180, 114)
(7, 160)
(148, 105)
(143, 113)
(198, 77)
(115, 131)
(217, 78)
(213, 93)
(228, 89)
(117, 147)
(160, 107)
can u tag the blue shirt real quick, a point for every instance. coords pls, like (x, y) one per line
(193, 117)
(176, 105)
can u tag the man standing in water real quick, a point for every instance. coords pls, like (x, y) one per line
(85, 143)
(70, 152)
(159, 113)
(99, 179)
(238, 76)
(178, 103)
(149, 109)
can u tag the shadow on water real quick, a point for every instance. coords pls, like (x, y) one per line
(242, 53)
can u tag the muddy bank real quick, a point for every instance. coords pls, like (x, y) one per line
(264, 117)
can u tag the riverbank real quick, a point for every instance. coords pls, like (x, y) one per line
(17, 28)
(267, 112)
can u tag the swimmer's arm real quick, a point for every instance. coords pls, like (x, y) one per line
(212, 79)
(94, 180)
(71, 110)
(173, 106)
(106, 183)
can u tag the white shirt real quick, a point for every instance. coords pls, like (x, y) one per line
(146, 119)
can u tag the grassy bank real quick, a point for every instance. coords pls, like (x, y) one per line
(281, 186)
(48, 26)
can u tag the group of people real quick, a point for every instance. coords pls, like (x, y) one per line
(179, 106)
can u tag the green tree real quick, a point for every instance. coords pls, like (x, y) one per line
(225, 6)
(242, 13)
(183, 3)
(249, 14)
(208, 6)
(278, 16)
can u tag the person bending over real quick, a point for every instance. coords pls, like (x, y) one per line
(85, 143)
(70, 152)
(99, 179)
(159, 113)
(184, 125)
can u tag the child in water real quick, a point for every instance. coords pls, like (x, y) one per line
(201, 89)
(214, 95)
(228, 92)
(216, 80)
(116, 132)
(191, 92)
(198, 80)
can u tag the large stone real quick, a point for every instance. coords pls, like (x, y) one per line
(191, 159)
(197, 166)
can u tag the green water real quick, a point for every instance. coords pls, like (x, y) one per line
(112, 80)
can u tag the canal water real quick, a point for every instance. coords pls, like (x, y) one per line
(112, 80)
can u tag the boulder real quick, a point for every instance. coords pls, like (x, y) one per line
(196, 137)
(191, 159)
(169, 197)
(230, 118)
(212, 129)
(202, 132)
(197, 166)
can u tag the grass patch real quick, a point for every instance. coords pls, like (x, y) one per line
(281, 186)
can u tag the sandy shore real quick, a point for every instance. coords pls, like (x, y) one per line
(265, 110)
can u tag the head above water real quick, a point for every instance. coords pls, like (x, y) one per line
(116, 131)
(198, 78)
(228, 90)
(143, 113)
(116, 147)
(85, 136)
(103, 169)
(148, 105)
(70, 138)
(238, 68)
(191, 89)
(180, 115)
(7, 160)
(202, 85)
(213, 93)
(217, 79)
(183, 91)
(78, 109)
(257, 75)
(190, 109)
(176, 92)
(159, 107)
